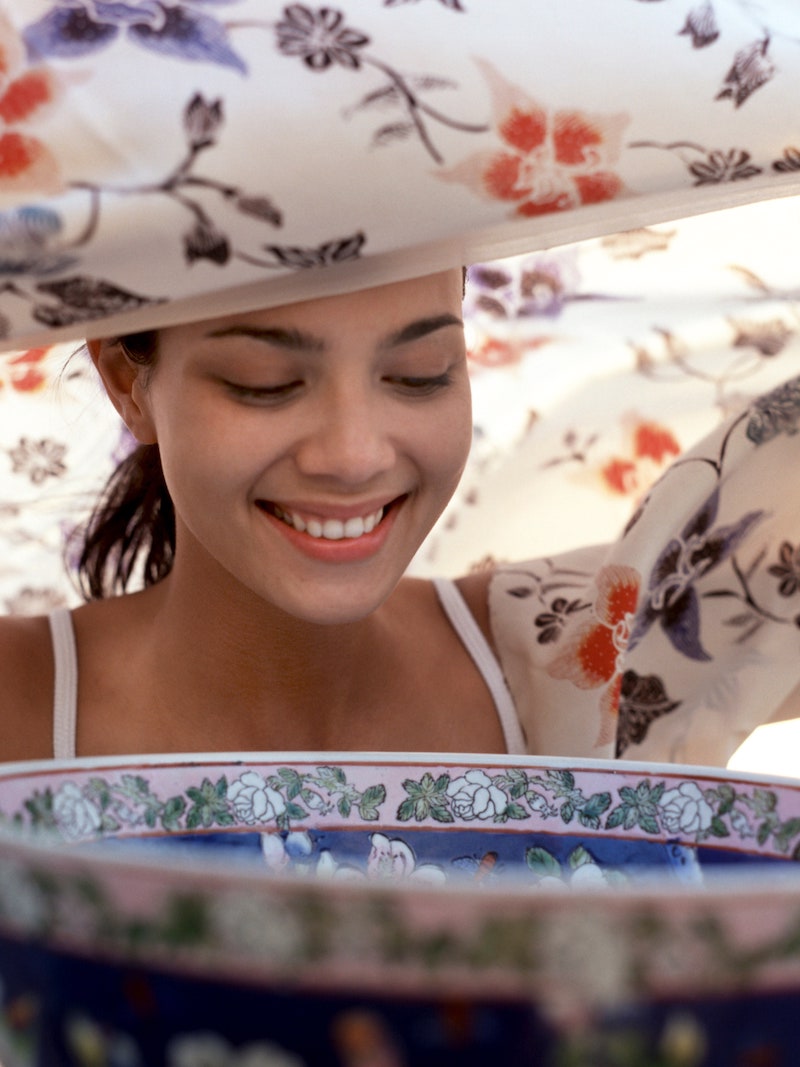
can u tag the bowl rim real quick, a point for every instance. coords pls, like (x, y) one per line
(777, 881)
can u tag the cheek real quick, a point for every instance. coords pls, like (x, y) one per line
(461, 428)
(203, 461)
(448, 442)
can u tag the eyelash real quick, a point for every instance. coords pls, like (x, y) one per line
(275, 393)
(423, 386)
(263, 393)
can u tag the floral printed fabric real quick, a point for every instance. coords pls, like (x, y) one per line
(374, 140)
(59, 440)
(681, 637)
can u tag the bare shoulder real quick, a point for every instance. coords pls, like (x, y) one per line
(26, 692)
(419, 600)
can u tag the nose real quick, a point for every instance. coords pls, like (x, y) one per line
(348, 439)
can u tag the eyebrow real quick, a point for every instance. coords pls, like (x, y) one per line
(294, 340)
(298, 341)
(418, 329)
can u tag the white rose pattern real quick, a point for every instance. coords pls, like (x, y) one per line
(76, 816)
(475, 797)
(254, 801)
(685, 810)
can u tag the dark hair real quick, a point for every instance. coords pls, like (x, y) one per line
(132, 528)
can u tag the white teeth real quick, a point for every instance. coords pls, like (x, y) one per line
(332, 529)
(353, 528)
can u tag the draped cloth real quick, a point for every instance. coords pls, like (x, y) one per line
(168, 159)
(679, 639)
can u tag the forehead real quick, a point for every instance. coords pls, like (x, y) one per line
(378, 311)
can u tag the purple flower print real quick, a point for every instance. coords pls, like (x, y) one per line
(180, 29)
(788, 569)
(672, 598)
(777, 412)
(752, 68)
(319, 37)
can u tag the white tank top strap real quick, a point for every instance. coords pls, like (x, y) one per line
(463, 622)
(65, 694)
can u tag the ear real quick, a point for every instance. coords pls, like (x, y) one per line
(124, 382)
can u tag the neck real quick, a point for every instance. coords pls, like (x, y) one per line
(215, 644)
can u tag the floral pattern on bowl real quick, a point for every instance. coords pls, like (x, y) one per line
(659, 804)
(269, 909)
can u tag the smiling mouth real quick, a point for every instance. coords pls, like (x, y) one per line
(328, 529)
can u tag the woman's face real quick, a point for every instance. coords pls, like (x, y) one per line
(309, 449)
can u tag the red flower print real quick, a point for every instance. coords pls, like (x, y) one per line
(651, 441)
(548, 159)
(651, 449)
(23, 369)
(590, 651)
(620, 475)
(493, 352)
(25, 161)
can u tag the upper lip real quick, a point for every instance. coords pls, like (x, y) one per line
(343, 512)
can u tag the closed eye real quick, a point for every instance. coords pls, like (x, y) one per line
(263, 393)
(421, 386)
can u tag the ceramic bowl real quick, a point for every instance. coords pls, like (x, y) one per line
(288, 910)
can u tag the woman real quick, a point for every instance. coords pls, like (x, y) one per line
(307, 450)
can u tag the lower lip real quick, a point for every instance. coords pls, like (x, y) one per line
(345, 550)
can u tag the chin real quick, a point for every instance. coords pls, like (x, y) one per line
(337, 612)
(319, 603)
(325, 596)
